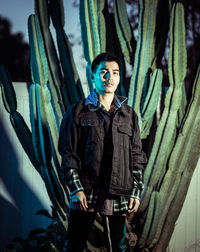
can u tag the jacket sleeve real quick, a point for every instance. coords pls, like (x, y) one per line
(67, 147)
(139, 160)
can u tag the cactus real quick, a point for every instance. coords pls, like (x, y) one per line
(144, 52)
(152, 218)
(71, 78)
(175, 148)
(144, 63)
(22, 131)
(43, 120)
(56, 84)
(124, 30)
(166, 132)
(181, 165)
(149, 105)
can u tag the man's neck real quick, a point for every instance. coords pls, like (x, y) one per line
(106, 100)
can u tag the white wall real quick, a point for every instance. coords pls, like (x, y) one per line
(22, 191)
(186, 235)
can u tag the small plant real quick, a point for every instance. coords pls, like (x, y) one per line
(47, 239)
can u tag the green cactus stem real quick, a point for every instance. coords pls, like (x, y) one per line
(145, 51)
(43, 121)
(151, 222)
(124, 30)
(166, 132)
(21, 129)
(182, 163)
(149, 105)
(71, 77)
(59, 98)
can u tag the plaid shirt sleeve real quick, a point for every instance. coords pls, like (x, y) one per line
(137, 183)
(73, 182)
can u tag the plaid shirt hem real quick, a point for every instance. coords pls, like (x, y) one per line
(120, 203)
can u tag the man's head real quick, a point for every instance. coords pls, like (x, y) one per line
(106, 73)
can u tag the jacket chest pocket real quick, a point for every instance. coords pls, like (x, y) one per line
(92, 130)
(124, 134)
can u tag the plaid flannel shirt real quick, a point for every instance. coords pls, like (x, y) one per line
(72, 178)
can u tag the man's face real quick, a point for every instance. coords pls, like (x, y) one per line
(106, 77)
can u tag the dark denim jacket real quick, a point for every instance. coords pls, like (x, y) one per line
(81, 146)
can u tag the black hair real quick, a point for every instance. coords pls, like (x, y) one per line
(106, 56)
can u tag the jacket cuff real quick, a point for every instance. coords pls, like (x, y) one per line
(71, 160)
(136, 193)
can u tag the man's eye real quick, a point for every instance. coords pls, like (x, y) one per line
(116, 73)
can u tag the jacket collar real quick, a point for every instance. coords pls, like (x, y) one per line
(94, 104)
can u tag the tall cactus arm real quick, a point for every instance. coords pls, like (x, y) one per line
(166, 132)
(177, 56)
(54, 165)
(36, 124)
(182, 109)
(23, 133)
(123, 28)
(54, 72)
(39, 70)
(155, 220)
(148, 220)
(145, 51)
(149, 106)
(8, 92)
(94, 25)
(21, 129)
(44, 123)
(151, 223)
(41, 142)
(101, 25)
(89, 28)
(71, 77)
(182, 161)
(38, 53)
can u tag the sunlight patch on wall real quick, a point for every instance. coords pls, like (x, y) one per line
(5, 194)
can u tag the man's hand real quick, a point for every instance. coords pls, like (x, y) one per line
(79, 200)
(133, 206)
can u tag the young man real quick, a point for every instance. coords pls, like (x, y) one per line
(102, 159)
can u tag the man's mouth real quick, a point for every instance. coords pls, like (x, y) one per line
(108, 84)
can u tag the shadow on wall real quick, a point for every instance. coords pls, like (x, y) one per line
(18, 203)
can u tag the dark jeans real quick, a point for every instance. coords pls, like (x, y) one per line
(80, 224)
